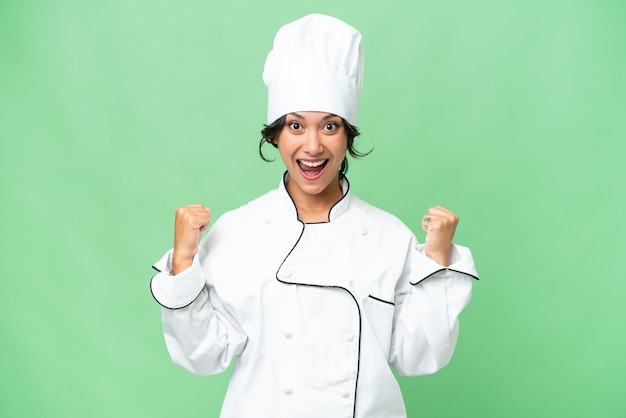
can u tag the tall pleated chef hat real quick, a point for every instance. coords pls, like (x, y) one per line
(316, 64)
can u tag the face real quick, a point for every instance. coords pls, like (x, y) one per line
(313, 145)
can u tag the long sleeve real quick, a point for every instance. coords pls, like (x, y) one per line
(429, 299)
(200, 333)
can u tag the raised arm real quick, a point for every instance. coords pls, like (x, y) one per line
(200, 333)
(434, 288)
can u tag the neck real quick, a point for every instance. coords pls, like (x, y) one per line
(315, 208)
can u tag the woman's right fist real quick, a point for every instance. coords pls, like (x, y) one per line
(190, 222)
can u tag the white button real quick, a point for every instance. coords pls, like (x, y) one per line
(363, 231)
(288, 391)
(348, 338)
(345, 394)
(287, 273)
(350, 283)
(266, 221)
(288, 335)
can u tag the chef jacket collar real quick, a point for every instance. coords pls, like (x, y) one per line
(338, 208)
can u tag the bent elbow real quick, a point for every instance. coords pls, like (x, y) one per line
(206, 358)
(423, 365)
(200, 366)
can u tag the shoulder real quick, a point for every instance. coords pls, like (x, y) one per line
(244, 216)
(376, 217)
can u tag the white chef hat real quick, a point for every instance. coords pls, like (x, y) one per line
(316, 64)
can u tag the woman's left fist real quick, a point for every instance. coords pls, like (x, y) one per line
(439, 224)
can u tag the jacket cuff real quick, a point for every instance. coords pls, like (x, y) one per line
(178, 291)
(461, 261)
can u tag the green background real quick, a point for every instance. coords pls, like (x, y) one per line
(511, 113)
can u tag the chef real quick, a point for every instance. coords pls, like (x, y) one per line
(315, 295)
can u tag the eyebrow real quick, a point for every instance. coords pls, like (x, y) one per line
(328, 116)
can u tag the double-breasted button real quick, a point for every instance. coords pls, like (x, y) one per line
(288, 335)
(348, 338)
(363, 231)
(287, 273)
(287, 391)
(345, 394)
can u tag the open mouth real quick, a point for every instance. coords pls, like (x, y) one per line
(312, 169)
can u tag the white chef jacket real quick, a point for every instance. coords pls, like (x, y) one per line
(314, 314)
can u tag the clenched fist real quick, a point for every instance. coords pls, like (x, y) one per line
(439, 224)
(190, 222)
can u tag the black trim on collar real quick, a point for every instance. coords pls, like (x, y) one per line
(342, 197)
(285, 177)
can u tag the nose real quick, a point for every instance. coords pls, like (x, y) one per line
(313, 143)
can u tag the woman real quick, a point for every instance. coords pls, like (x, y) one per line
(314, 293)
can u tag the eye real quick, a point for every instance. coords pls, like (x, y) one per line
(330, 126)
(295, 126)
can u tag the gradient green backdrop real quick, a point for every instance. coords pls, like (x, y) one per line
(511, 113)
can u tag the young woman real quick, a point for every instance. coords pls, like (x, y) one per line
(314, 293)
